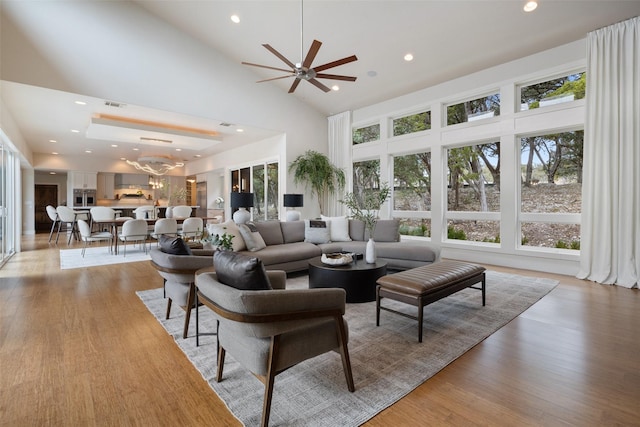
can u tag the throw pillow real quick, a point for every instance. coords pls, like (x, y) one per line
(317, 231)
(240, 271)
(339, 228)
(252, 237)
(387, 230)
(230, 228)
(173, 245)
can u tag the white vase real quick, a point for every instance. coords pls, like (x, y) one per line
(370, 252)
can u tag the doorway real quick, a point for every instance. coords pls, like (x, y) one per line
(45, 194)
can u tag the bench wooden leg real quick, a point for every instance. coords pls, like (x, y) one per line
(420, 318)
(378, 305)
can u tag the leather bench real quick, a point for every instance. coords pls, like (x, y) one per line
(421, 286)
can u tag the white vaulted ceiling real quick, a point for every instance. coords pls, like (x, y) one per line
(448, 39)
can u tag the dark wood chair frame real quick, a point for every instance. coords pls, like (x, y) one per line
(268, 380)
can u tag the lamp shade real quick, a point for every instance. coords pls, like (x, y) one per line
(241, 200)
(293, 200)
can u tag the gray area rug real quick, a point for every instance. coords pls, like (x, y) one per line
(387, 361)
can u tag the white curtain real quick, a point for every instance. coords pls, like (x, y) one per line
(340, 156)
(610, 241)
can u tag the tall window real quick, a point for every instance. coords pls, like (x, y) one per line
(475, 109)
(473, 185)
(551, 92)
(412, 193)
(411, 124)
(264, 187)
(366, 134)
(551, 189)
(7, 208)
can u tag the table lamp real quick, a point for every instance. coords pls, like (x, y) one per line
(293, 201)
(241, 201)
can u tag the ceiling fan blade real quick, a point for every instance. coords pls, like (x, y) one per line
(266, 66)
(336, 63)
(279, 55)
(335, 77)
(319, 85)
(311, 55)
(275, 78)
(294, 85)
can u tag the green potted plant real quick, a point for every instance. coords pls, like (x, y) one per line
(366, 207)
(316, 172)
(223, 242)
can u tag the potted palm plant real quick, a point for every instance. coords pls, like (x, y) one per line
(366, 207)
(318, 174)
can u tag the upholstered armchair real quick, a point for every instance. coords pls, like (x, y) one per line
(178, 272)
(268, 331)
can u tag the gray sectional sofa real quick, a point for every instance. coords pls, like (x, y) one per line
(287, 250)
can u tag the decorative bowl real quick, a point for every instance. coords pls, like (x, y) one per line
(337, 258)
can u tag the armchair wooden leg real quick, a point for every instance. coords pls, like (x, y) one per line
(221, 354)
(191, 296)
(269, 380)
(344, 352)
(168, 307)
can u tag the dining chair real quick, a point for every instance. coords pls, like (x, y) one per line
(53, 215)
(182, 211)
(192, 227)
(145, 212)
(134, 230)
(168, 226)
(69, 218)
(87, 236)
(101, 213)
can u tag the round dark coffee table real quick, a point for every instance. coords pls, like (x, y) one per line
(357, 278)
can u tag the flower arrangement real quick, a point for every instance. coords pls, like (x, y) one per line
(222, 242)
(219, 201)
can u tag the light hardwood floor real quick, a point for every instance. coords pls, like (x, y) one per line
(78, 348)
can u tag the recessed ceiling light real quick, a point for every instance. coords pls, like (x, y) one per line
(87, 151)
(114, 145)
(52, 141)
(197, 155)
(75, 131)
(123, 158)
(235, 19)
(178, 149)
(239, 130)
(136, 149)
(52, 173)
(81, 103)
(335, 87)
(55, 153)
(530, 6)
(408, 57)
(372, 73)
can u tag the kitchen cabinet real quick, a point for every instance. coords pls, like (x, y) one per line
(106, 185)
(131, 181)
(83, 180)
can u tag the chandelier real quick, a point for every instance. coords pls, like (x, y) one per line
(156, 165)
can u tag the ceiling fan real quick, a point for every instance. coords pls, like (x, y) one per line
(304, 71)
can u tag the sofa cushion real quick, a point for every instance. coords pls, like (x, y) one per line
(339, 228)
(316, 231)
(289, 252)
(173, 245)
(356, 229)
(387, 230)
(232, 229)
(240, 271)
(270, 232)
(292, 231)
(251, 237)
